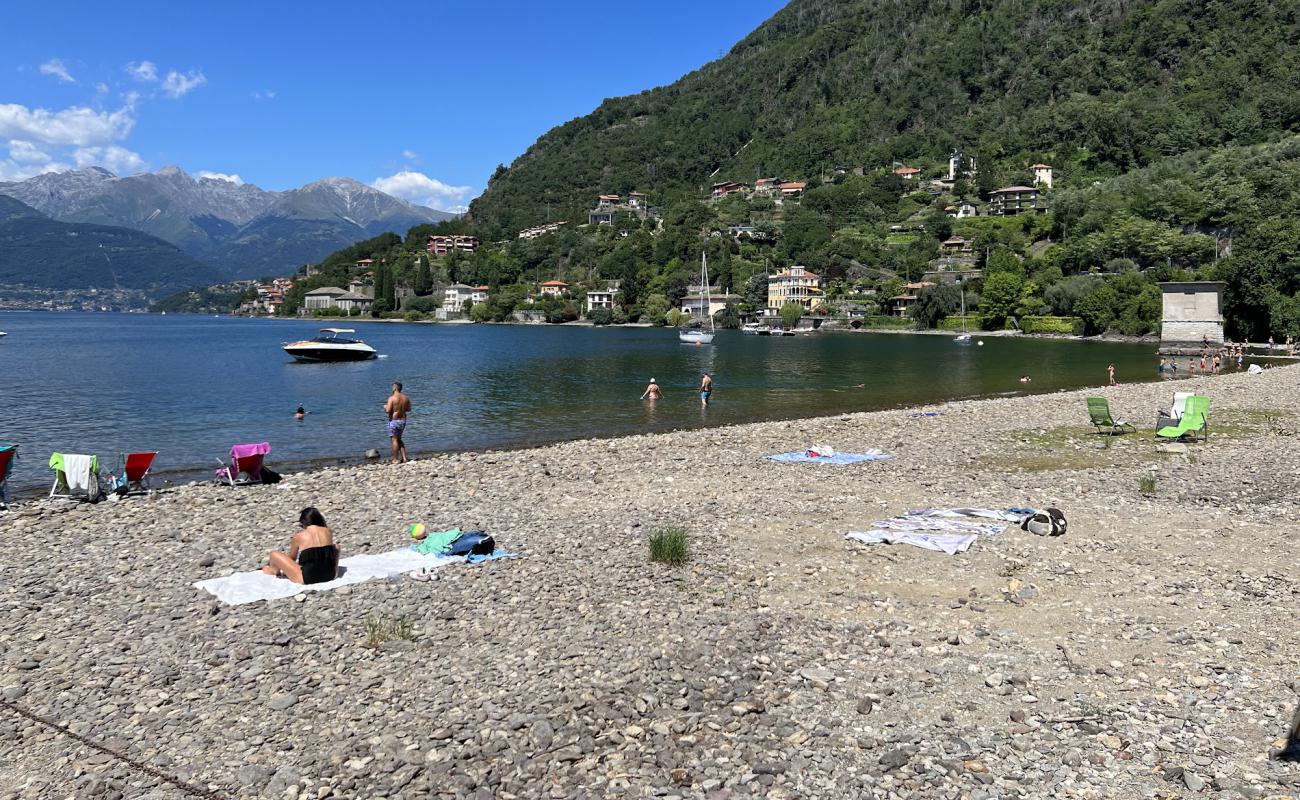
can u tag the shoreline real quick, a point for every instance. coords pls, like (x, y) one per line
(780, 661)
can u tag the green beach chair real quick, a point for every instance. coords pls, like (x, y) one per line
(1195, 421)
(1099, 413)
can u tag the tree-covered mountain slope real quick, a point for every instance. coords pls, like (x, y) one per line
(37, 252)
(1095, 87)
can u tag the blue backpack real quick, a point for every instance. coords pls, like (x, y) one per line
(472, 543)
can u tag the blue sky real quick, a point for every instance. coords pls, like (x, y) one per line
(421, 99)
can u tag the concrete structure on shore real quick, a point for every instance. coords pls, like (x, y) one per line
(1193, 315)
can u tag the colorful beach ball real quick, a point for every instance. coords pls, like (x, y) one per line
(417, 530)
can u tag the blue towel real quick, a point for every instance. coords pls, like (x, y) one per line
(489, 557)
(838, 459)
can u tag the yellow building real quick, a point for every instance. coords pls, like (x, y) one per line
(796, 285)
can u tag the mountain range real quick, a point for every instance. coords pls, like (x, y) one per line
(239, 229)
(44, 255)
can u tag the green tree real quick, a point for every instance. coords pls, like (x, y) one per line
(999, 298)
(656, 308)
(1003, 260)
(791, 313)
(1098, 309)
(933, 303)
(728, 317)
(423, 277)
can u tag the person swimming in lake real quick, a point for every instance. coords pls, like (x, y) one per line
(300, 413)
(1025, 379)
(652, 392)
(313, 557)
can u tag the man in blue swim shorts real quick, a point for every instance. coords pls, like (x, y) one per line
(706, 389)
(397, 407)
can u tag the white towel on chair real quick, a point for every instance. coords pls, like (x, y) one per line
(249, 587)
(76, 470)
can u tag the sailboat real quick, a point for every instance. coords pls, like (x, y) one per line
(701, 336)
(963, 337)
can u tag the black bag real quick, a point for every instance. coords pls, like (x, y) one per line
(270, 476)
(1045, 523)
(472, 543)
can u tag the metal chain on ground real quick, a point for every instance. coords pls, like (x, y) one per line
(145, 768)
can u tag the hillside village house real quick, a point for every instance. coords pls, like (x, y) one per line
(352, 300)
(904, 301)
(907, 173)
(695, 306)
(963, 209)
(1014, 200)
(795, 285)
(960, 165)
(721, 190)
(541, 230)
(439, 246)
(480, 294)
(324, 297)
(955, 246)
(766, 186)
(792, 190)
(554, 289)
(636, 201)
(455, 297)
(1042, 175)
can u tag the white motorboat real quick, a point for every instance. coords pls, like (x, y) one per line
(330, 346)
(2, 333)
(701, 336)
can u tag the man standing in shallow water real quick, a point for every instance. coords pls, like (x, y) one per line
(706, 388)
(397, 407)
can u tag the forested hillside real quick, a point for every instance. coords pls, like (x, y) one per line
(1170, 128)
(1094, 87)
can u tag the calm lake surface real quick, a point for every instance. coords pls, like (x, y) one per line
(191, 386)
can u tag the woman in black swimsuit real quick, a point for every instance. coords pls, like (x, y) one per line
(313, 557)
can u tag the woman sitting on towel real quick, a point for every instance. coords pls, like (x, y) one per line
(313, 557)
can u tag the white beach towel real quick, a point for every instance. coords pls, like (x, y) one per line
(949, 543)
(76, 470)
(249, 587)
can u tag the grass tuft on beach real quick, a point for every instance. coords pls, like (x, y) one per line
(386, 629)
(670, 546)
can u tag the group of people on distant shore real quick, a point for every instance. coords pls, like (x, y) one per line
(1212, 361)
(653, 392)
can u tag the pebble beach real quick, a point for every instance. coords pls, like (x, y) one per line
(1149, 652)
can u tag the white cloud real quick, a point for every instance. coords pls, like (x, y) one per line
(101, 88)
(265, 94)
(27, 153)
(115, 159)
(411, 155)
(76, 126)
(56, 68)
(420, 188)
(221, 176)
(178, 85)
(144, 71)
(11, 170)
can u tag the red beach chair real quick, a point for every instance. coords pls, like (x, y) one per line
(245, 459)
(135, 470)
(7, 454)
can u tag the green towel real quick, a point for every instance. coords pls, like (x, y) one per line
(437, 543)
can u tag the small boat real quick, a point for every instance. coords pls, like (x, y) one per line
(2, 333)
(701, 336)
(329, 346)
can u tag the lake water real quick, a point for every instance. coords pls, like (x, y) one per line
(191, 386)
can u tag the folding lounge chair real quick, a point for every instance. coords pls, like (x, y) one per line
(1166, 418)
(135, 471)
(245, 459)
(1099, 413)
(1195, 420)
(74, 474)
(8, 453)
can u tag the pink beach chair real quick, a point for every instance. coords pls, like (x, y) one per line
(7, 454)
(245, 459)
